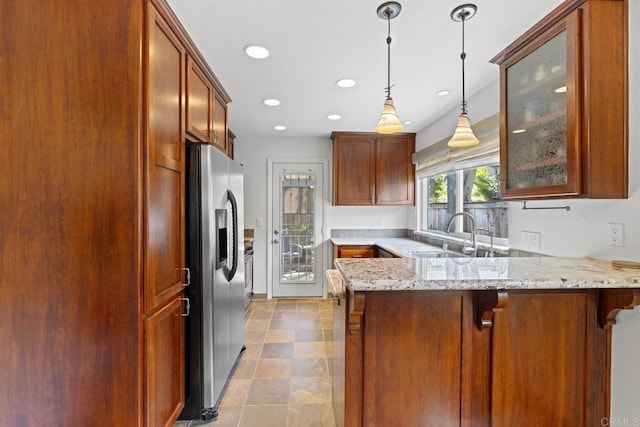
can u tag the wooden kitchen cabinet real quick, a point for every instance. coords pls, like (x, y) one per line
(165, 164)
(219, 139)
(199, 104)
(372, 169)
(231, 141)
(165, 364)
(99, 241)
(479, 358)
(356, 251)
(563, 85)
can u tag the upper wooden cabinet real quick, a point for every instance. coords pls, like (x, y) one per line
(231, 140)
(165, 164)
(563, 86)
(199, 103)
(219, 136)
(372, 169)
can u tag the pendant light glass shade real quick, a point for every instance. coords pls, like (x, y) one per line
(389, 121)
(463, 136)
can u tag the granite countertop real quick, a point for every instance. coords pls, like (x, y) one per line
(376, 274)
(396, 245)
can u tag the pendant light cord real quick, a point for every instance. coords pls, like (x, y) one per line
(388, 89)
(463, 55)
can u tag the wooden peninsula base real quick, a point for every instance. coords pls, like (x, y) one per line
(527, 357)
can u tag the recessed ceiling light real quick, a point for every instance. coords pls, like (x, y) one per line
(334, 117)
(255, 51)
(407, 122)
(519, 131)
(271, 102)
(444, 92)
(346, 83)
(561, 89)
(280, 127)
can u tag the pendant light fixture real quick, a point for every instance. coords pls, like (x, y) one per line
(389, 121)
(463, 136)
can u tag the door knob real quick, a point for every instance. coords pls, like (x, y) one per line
(275, 241)
(276, 232)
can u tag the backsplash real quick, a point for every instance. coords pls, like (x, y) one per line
(371, 232)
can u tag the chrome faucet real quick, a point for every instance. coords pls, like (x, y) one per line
(491, 253)
(465, 249)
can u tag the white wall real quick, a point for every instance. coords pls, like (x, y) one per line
(583, 230)
(253, 154)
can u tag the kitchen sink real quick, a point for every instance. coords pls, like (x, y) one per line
(433, 254)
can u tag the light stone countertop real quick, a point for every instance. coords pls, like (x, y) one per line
(396, 245)
(376, 274)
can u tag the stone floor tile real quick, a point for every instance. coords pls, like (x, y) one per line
(236, 393)
(309, 349)
(261, 314)
(310, 390)
(268, 392)
(309, 367)
(285, 314)
(264, 416)
(302, 335)
(311, 415)
(326, 314)
(245, 369)
(273, 369)
(308, 306)
(307, 315)
(284, 324)
(257, 324)
(254, 336)
(253, 351)
(277, 351)
(309, 324)
(280, 336)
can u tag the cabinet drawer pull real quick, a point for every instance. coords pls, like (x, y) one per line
(357, 256)
(188, 277)
(188, 305)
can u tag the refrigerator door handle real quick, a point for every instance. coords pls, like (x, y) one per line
(229, 274)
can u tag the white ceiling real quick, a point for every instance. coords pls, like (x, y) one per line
(314, 43)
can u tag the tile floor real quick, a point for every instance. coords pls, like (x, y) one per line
(283, 378)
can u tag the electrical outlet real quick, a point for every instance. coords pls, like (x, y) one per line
(616, 234)
(530, 240)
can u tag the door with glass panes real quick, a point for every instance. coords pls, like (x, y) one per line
(297, 220)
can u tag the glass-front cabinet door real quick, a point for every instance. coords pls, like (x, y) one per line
(540, 142)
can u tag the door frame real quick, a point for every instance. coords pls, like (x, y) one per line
(322, 247)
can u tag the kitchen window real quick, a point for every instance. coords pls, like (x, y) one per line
(451, 180)
(475, 190)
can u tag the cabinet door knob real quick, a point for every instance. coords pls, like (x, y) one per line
(187, 305)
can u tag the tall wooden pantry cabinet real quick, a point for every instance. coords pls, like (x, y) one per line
(92, 271)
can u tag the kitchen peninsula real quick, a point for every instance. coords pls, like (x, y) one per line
(476, 341)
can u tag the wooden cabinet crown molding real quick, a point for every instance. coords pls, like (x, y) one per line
(176, 26)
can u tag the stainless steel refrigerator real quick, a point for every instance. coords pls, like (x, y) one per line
(214, 242)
